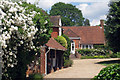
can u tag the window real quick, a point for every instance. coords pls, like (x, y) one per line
(83, 46)
(90, 46)
(87, 46)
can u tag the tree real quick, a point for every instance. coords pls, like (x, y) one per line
(70, 15)
(113, 26)
(86, 22)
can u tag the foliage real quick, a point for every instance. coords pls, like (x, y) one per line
(109, 73)
(70, 15)
(99, 46)
(67, 53)
(22, 26)
(86, 22)
(42, 22)
(95, 57)
(68, 63)
(115, 55)
(62, 41)
(109, 62)
(92, 52)
(36, 76)
(112, 27)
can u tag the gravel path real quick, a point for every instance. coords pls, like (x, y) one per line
(82, 68)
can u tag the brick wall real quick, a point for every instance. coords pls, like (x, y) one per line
(55, 32)
(42, 60)
(76, 43)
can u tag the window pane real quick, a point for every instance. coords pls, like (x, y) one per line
(86, 46)
(83, 46)
(90, 46)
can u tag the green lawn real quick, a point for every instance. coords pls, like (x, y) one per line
(110, 62)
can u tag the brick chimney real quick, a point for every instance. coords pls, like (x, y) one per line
(101, 22)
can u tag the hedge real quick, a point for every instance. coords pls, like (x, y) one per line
(92, 52)
(109, 73)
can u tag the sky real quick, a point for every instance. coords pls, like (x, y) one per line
(94, 10)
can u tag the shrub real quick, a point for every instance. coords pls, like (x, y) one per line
(118, 54)
(115, 55)
(99, 46)
(62, 41)
(94, 57)
(67, 53)
(68, 63)
(109, 73)
(92, 52)
(36, 76)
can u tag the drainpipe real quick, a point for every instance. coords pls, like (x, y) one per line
(46, 61)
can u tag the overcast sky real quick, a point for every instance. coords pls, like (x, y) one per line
(94, 10)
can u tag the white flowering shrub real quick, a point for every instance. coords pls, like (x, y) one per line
(21, 31)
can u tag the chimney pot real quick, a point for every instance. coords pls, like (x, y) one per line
(101, 22)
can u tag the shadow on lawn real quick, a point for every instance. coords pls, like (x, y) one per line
(109, 62)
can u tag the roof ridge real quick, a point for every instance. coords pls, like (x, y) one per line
(54, 44)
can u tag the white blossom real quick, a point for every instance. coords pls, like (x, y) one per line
(21, 42)
(15, 21)
(46, 22)
(10, 53)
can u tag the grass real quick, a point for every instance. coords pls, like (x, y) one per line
(110, 62)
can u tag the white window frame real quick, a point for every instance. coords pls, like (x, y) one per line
(85, 46)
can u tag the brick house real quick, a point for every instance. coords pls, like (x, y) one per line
(52, 53)
(51, 58)
(83, 37)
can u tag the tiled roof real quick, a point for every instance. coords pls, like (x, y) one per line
(44, 12)
(70, 33)
(52, 43)
(55, 20)
(87, 34)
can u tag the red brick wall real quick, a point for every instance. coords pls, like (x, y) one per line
(55, 32)
(76, 43)
(42, 60)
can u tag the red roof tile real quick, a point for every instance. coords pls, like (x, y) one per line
(88, 35)
(52, 43)
(70, 33)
